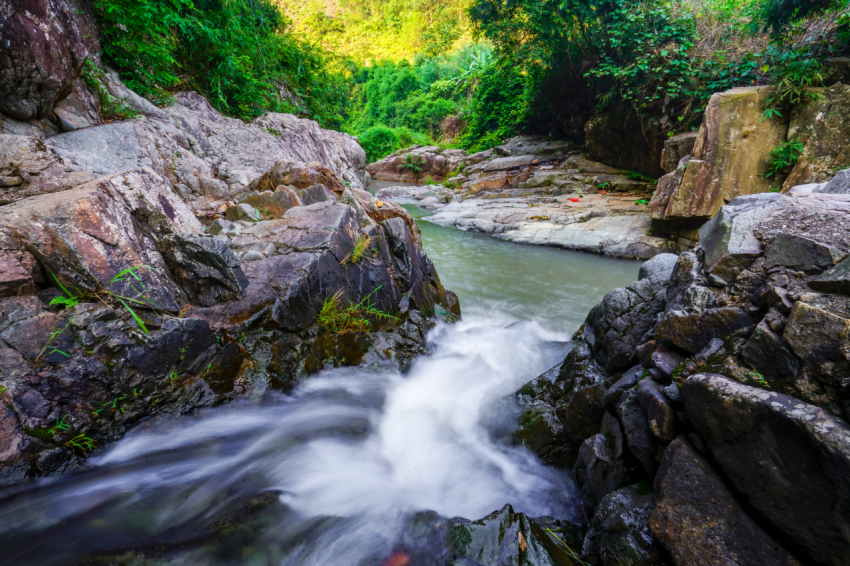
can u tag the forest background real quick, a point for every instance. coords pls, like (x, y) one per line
(471, 73)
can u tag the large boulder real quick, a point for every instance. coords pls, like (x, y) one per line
(790, 459)
(697, 519)
(416, 163)
(731, 153)
(626, 141)
(44, 46)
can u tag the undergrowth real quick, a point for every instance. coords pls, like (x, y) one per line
(352, 319)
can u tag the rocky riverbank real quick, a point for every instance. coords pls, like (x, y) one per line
(704, 408)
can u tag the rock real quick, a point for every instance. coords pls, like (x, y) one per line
(30, 168)
(626, 383)
(619, 532)
(699, 522)
(790, 459)
(585, 384)
(677, 148)
(316, 193)
(639, 437)
(731, 152)
(539, 427)
(274, 204)
(801, 253)
(659, 411)
(665, 360)
(244, 212)
(627, 141)
(838, 185)
(814, 334)
(431, 161)
(834, 280)
(45, 43)
(644, 352)
(80, 109)
(728, 239)
(693, 331)
(504, 537)
(601, 467)
(768, 353)
(616, 326)
(662, 263)
(823, 127)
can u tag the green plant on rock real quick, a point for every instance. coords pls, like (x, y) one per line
(111, 108)
(756, 376)
(359, 252)
(783, 158)
(352, 319)
(412, 163)
(60, 426)
(81, 442)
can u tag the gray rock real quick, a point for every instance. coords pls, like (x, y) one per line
(596, 470)
(699, 522)
(801, 253)
(316, 193)
(692, 331)
(619, 531)
(790, 459)
(218, 226)
(205, 267)
(728, 240)
(839, 185)
(834, 280)
(662, 263)
(665, 360)
(639, 438)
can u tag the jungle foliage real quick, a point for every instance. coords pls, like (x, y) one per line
(240, 54)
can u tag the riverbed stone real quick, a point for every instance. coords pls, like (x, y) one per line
(801, 254)
(790, 459)
(665, 360)
(698, 520)
(815, 334)
(769, 354)
(662, 263)
(640, 440)
(659, 410)
(628, 381)
(833, 280)
(693, 331)
(619, 531)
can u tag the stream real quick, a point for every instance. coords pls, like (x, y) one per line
(356, 461)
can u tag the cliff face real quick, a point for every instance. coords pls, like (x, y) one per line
(132, 282)
(719, 378)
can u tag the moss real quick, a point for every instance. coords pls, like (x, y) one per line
(643, 488)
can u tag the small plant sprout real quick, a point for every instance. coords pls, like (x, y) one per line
(2, 389)
(358, 253)
(49, 348)
(756, 376)
(173, 376)
(81, 442)
(61, 426)
(67, 300)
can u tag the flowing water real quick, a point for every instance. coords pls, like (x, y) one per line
(341, 471)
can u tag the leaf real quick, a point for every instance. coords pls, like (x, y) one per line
(135, 316)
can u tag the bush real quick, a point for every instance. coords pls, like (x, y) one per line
(238, 53)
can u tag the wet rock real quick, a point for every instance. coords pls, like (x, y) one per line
(660, 413)
(801, 253)
(662, 263)
(665, 360)
(699, 522)
(602, 465)
(627, 382)
(616, 326)
(790, 459)
(504, 537)
(768, 353)
(619, 531)
(693, 331)
(639, 438)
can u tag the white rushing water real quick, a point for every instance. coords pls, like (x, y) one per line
(338, 471)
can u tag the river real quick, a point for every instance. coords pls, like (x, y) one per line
(340, 472)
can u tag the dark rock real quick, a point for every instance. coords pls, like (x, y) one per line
(665, 360)
(839, 185)
(699, 522)
(790, 459)
(206, 269)
(777, 297)
(627, 382)
(711, 348)
(639, 438)
(644, 352)
(693, 331)
(504, 537)
(834, 280)
(686, 274)
(815, 334)
(801, 253)
(584, 384)
(659, 410)
(597, 471)
(619, 531)
(662, 263)
(769, 355)
(45, 43)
